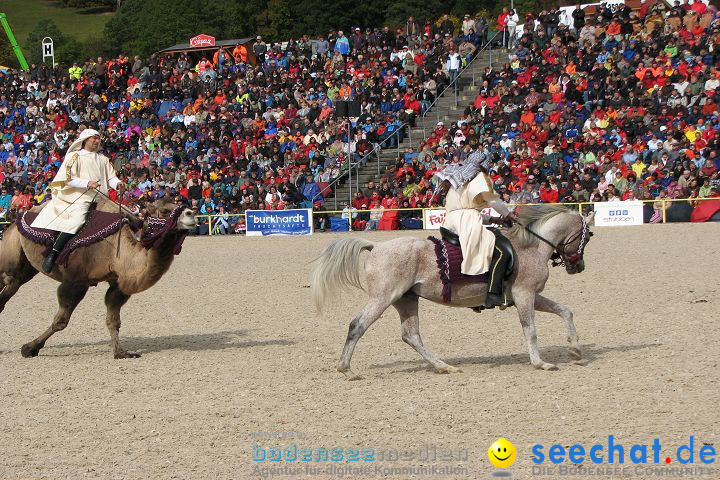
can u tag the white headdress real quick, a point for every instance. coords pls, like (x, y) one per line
(461, 173)
(84, 135)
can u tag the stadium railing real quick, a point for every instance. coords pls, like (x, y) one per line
(582, 207)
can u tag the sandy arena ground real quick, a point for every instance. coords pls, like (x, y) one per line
(232, 348)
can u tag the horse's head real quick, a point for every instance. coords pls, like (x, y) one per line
(564, 231)
(166, 209)
(572, 247)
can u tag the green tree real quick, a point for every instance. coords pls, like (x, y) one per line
(7, 55)
(71, 50)
(143, 27)
(112, 4)
(146, 27)
(397, 12)
(242, 18)
(529, 6)
(277, 21)
(321, 16)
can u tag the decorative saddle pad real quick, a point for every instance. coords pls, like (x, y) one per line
(100, 225)
(449, 261)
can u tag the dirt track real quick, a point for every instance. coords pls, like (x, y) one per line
(231, 347)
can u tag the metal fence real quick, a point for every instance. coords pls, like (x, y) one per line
(582, 207)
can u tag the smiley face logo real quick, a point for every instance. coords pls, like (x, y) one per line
(502, 453)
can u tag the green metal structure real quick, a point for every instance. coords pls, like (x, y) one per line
(13, 42)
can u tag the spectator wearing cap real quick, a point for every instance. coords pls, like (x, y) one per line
(342, 45)
(260, 49)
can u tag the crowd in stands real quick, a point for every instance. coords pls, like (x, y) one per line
(237, 129)
(622, 104)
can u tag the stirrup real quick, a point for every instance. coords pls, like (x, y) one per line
(503, 301)
(49, 261)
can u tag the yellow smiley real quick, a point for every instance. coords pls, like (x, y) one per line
(502, 453)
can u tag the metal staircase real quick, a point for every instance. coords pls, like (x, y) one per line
(446, 108)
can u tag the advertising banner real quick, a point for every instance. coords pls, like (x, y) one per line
(279, 222)
(434, 218)
(614, 214)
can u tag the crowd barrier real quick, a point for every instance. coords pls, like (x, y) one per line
(431, 218)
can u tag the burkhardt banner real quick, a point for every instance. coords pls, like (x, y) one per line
(613, 214)
(279, 222)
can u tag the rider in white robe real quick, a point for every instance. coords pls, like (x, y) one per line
(81, 172)
(471, 191)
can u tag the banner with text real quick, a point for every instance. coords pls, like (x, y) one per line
(434, 218)
(279, 222)
(614, 214)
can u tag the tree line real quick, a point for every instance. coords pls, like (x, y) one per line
(139, 27)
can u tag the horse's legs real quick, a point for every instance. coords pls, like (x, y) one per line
(16, 274)
(544, 304)
(525, 303)
(11, 283)
(69, 295)
(407, 307)
(114, 300)
(372, 311)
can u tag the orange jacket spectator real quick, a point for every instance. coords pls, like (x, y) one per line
(240, 54)
(613, 28)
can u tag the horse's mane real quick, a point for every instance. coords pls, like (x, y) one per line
(533, 217)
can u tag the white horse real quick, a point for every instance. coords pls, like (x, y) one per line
(400, 271)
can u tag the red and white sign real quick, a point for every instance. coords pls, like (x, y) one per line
(434, 218)
(202, 41)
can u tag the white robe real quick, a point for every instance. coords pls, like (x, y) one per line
(67, 210)
(462, 216)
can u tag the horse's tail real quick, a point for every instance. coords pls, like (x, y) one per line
(337, 266)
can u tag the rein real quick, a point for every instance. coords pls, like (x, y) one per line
(560, 256)
(121, 207)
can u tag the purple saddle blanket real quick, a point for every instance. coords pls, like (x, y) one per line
(449, 261)
(99, 226)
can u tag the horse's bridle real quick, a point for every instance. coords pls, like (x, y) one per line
(560, 256)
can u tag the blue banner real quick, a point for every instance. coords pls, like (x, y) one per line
(279, 222)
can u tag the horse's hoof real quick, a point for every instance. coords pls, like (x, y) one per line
(575, 353)
(124, 354)
(546, 366)
(29, 350)
(448, 369)
(351, 376)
